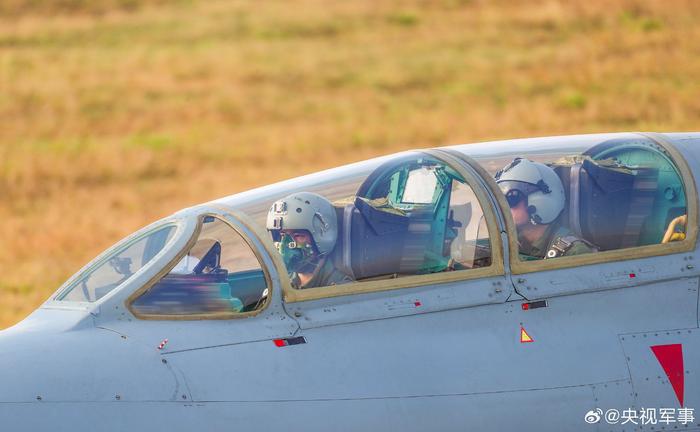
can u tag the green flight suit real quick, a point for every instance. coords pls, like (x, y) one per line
(556, 242)
(326, 274)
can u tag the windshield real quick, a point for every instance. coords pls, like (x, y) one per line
(118, 265)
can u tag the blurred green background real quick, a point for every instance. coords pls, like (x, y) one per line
(118, 112)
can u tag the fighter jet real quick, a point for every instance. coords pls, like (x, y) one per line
(542, 284)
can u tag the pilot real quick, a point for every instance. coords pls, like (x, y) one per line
(305, 230)
(536, 198)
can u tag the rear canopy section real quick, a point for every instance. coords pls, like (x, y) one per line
(622, 192)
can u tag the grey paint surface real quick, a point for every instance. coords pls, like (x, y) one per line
(372, 361)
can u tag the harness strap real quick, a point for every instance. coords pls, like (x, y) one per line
(561, 245)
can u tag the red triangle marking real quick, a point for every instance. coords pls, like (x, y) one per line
(671, 359)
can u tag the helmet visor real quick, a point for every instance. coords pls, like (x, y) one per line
(514, 197)
(526, 188)
(516, 191)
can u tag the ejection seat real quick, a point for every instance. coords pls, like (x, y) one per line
(621, 195)
(376, 240)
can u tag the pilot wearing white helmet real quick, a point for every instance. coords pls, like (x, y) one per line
(536, 198)
(305, 229)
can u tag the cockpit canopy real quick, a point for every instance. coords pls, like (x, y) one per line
(409, 215)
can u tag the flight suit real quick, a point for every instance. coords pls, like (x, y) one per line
(324, 275)
(556, 242)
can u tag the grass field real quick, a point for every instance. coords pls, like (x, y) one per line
(118, 112)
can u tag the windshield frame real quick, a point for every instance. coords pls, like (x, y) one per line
(57, 299)
(249, 233)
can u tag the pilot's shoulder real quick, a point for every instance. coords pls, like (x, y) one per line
(565, 243)
(580, 246)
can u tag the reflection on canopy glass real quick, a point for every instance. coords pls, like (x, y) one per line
(117, 268)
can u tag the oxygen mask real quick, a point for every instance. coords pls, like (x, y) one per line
(299, 257)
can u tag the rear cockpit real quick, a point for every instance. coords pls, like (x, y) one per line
(626, 193)
(620, 192)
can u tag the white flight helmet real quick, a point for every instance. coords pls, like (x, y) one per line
(306, 211)
(539, 183)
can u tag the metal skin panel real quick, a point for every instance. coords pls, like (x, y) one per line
(613, 395)
(76, 362)
(688, 144)
(469, 350)
(651, 384)
(603, 276)
(444, 414)
(201, 334)
(409, 301)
